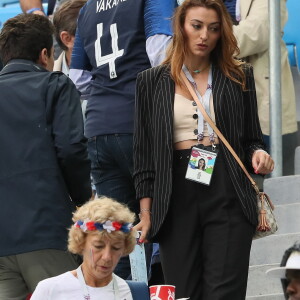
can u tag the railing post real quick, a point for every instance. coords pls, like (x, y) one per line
(275, 86)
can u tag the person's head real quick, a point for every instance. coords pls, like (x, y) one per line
(65, 23)
(28, 36)
(201, 164)
(203, 29)
(102, 234)
(293, 284)
(289, 272)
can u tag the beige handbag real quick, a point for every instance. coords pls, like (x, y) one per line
(267, 224)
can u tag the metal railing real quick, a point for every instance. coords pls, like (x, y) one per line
(275, 86)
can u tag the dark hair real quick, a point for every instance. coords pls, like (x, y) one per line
(25, 36)
(204, 164)
(65, 19)
(224, 52)
(286, 255)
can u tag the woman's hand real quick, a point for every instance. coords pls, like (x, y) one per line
(145, 218)
(143, 226)
(262, 162)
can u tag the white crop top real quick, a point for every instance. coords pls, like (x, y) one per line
(186, 119)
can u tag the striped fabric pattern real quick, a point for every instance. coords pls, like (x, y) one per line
(231, 7)
(236, 117)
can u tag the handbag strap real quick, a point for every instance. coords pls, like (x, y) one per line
(217, 131)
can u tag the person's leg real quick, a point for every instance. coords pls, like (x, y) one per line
(180, 235)
(226, 253)
(227, 238)
(12, 284)
(20, 274)
(112, 169)
(289, 144)
(205, 241)
(38, 265)
(125, 192)
(156, 275)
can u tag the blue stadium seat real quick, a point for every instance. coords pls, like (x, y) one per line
(11, 8)
(291, 33)
(9, 11)
(7, 2)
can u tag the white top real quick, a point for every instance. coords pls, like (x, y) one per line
(156, 46)
(184, 122)
(61, 64)
(66, 286)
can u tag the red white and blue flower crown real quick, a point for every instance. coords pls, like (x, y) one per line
(108, 225)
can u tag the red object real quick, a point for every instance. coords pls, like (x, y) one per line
(90, 226)
(195, 153)
(162, 292)
(117, 225)
(28, 297)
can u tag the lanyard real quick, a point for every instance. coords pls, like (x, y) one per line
(84, 288)
(205, 100)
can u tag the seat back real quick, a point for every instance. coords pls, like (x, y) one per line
(7, 2)
(8, 11)
(11, 8)
(291, 32)
(139, 290)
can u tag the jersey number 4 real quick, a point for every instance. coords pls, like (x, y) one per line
(109, 58)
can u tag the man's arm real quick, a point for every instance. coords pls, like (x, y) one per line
(156, 47)
(80, 66)
(252, 33)
(69, 141)
(81, 79)
(157, 16)
(32, 6)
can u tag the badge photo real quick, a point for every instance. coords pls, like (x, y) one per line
(201, 165)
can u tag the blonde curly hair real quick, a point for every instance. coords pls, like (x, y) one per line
(101, 210)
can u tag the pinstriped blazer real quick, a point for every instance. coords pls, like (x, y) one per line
(236, 117)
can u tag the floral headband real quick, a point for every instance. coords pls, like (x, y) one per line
(108, 225)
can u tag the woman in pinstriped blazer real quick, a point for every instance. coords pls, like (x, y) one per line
(205, 232)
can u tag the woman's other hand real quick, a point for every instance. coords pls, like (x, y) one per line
(143, 226)
(145, 219)
(262, 162)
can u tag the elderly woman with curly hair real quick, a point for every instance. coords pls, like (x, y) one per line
(102, 233)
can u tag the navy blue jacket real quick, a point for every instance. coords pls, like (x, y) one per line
(44, 169)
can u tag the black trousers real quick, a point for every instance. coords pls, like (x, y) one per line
(205, 240)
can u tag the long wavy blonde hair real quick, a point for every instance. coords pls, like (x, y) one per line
(225, 51)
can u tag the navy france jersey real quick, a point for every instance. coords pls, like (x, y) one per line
(110, 42)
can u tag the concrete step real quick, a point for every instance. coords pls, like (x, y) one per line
(260, 284)
(288, 218)
(269, 250)
(283, 190)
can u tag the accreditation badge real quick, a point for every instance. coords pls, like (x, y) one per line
(201, 165)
